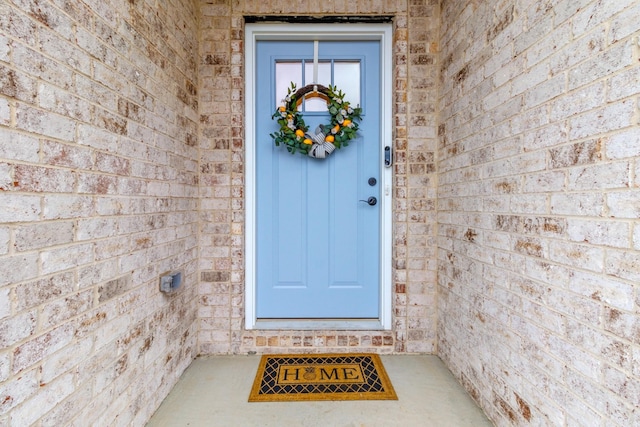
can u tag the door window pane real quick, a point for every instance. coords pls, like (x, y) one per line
(346, 76)
(324, 78)
(286, 72)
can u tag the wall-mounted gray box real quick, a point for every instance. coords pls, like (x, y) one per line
(170, 281)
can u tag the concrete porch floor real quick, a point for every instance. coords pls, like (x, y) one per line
(213, 391)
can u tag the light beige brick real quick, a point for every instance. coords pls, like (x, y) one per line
(545, 91)
(46, 398)
(14, 208)
(544, 182)
(624, 24)
(18, 390)
(65, 359)
(42, 122)
(625, 204)
(613, 59)
(622, 85)
(56, 260)
(6, 177)
(624, 144)
(4, 48)
(17, 85)
(584, 99)
(17, 268)
(594, 15)
(583, 204)
(623, 264)
(17, 328)
(5, 112)
(5, 302)
(5, 366)
(67, 206)
(601, 176)
(96, 228)
(56, 312)
(572, 52)
(62, 102)
(17, 146)
(66, 410)
(615, 234)
(38, 179)
(38, 348)
(615, 293)
(612, 117)
(621, 384)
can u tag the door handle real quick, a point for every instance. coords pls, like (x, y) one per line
(371, 201)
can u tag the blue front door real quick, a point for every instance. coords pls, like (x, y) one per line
(317, 238)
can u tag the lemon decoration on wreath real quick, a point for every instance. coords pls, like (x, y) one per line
(294, 133)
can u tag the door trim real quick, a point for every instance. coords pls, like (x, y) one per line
(383, 33)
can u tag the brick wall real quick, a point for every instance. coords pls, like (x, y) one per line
(221, 289)
(98, 196)
(539, 200)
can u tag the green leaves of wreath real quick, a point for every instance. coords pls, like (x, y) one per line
(294, 133)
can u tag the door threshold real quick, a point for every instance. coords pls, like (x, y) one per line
(319, 324)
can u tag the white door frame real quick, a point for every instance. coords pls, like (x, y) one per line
(383, 33)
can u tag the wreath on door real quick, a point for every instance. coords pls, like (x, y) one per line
(294, 133)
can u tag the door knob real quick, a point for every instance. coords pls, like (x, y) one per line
(371, 201)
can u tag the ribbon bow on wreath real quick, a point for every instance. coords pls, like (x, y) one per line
(319, 148)
(294, 133)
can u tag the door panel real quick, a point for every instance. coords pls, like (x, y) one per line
(317, 243)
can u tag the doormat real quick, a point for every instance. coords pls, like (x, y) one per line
(288, 378)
